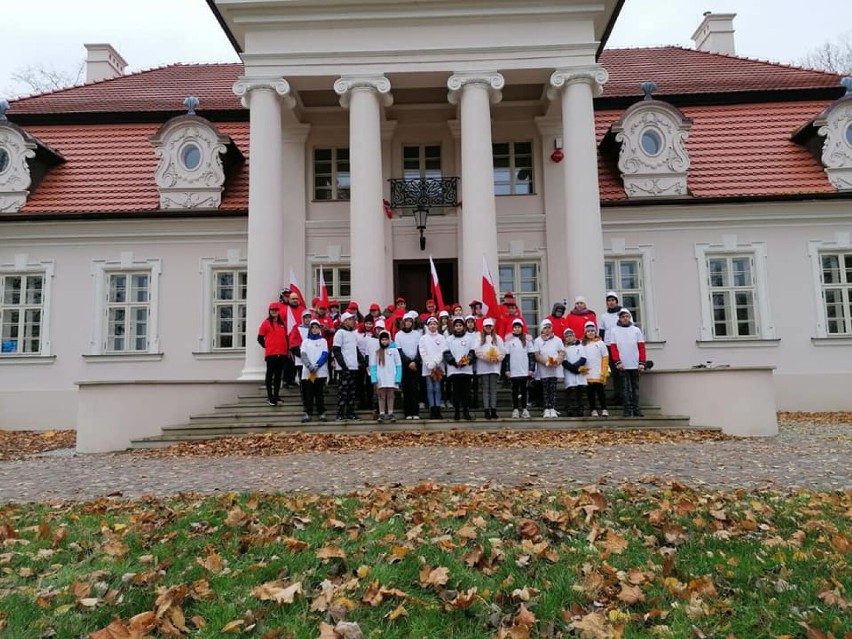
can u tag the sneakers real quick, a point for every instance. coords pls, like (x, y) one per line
(339, 418)
(379, 417)
(525, 414)
(409, 417)
(323, 418)
(391, 417)
(604, 413)
(594, 413)
(548, 413)
(516, 414)
(415, 416)
(306, 418)
(270, 402)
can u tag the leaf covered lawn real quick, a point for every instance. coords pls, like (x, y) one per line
(431, 561)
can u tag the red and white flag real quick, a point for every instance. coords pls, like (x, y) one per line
(490, 306)
(436, 286)
(295, 288)
(290, 320)
(323, 291)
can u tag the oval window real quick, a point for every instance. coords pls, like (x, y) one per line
(651, 141)
(848, 135)
(4, 160)
(190, 157)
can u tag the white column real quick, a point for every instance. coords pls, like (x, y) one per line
(474, 93)
(584, 236)
(553, 175)
(265, 220)
(364, 97)
(294, 202)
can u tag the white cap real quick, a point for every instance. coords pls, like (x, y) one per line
(488, 321)
(316, 321)
(613, 294)
(380, 323)
(589, 325)
(412, 315)
(443, 314)
(347, 315)
(307, 311)
(517, 322)
(546, 322)
(432, 320)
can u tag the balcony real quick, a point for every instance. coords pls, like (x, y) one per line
(424, 194)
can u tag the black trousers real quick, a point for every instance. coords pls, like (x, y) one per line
(630, 391)
(289, 374)
(597, 396)
(313, 395)
(346, 392)
(574, 401)
(519, 392)
(274, 369)
(410, 391)
(461, 393)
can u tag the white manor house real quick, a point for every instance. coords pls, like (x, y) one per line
(146, 220)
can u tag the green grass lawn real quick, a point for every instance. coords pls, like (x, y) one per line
(436, 562)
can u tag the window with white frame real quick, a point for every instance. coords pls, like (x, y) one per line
(331, 174)
(230, 286)
(128, 309)
(421, 162)
(625, 276)
(513, 168)
(21, 313)
(337, 282)
(524, 280)
(836, 284)
(733, 283)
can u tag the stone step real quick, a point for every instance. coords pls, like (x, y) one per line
(200, 430)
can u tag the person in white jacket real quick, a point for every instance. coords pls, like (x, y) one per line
(490, 352)
(519, 367)
(628, 350)
(597, 361)
(386, 375)
(431, 348)
(549, 353)
(314, 355)
(574, 371)
(459, 357)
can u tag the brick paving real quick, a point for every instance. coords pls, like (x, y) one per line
(806, 456)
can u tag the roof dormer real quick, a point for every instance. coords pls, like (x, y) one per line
(652, 159)
(193, 161)
(835, 125)
(24, 160)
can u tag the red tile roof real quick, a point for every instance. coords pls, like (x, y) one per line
(685, 71)
(110, 168)
(737, 151)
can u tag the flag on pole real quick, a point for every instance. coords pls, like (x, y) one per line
(490, 306)
(436, 286)
(296, 288)
(323, 291)
(290, 320)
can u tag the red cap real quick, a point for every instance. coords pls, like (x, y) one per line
(430, 301)
(375, 307)
(455, 306)
(400, 299)
(390, 307)
(274, 305)
(315, 301)
(508, 294)
(333, 303)
(475, 302)
(353, 305)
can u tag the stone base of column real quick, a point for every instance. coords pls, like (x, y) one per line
(252, 375)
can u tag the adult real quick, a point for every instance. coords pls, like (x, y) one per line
(607, 324)
(345, 352)
(557, 318)
(579, 315)
(272, 336)
(431, 310)
(628, 350)
(510, 311)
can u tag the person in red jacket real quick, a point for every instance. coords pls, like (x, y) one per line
(579, 315)
(557, 318)
(272, 335)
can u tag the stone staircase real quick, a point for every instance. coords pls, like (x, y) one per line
(250, 414)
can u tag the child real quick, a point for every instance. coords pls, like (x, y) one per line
(597, 361)
(519, 366)
(386, 375)
(314, 356)
(459, 357)
(490, 352)
(575, 378)
(549, 353)
(431, 348)
(628, 350)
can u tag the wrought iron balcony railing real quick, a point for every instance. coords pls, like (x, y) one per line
(428, 193)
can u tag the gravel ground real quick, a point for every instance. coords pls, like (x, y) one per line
(803, 456)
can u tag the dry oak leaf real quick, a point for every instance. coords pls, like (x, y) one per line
(294, 545)
(278, 591)
(212, 563)
(434, 576)
(631, 594)
(117, 630)
(236, 517)
(594, 626)
(331, 552)
(833, 598)
(327, 631)
(462, 600)
(524, 617)
(527, 528)
(233, 627)
(348, 630)
(615, 543)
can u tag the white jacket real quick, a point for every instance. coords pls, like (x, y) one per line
(552, 348)
(386, 376)
(348, 343)
(312, 349)
(432, 347)
(597, 360)
(518, 351)
(459, 347)
(627, 340)
(573, 354)
(483, 365)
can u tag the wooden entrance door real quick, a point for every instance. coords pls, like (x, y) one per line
(411, 280)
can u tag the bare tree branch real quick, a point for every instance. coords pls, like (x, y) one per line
(834, 56)
(42, 78)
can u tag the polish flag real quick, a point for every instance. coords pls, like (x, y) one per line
(295, 288)
(490, 306)
(323, 291)
(436, 285)
(290, 321)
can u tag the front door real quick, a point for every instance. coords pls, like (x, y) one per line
(412, 281)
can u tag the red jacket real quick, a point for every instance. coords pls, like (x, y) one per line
(577, 322)
(275, 337)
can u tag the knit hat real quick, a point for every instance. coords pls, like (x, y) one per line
(624, 311)
(579, 299)
(613, 294)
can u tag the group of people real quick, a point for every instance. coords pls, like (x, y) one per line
(442, 358)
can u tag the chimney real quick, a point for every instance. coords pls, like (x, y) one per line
(715, 34)
(103, 62)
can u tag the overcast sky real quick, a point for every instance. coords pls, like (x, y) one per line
(150, 33)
